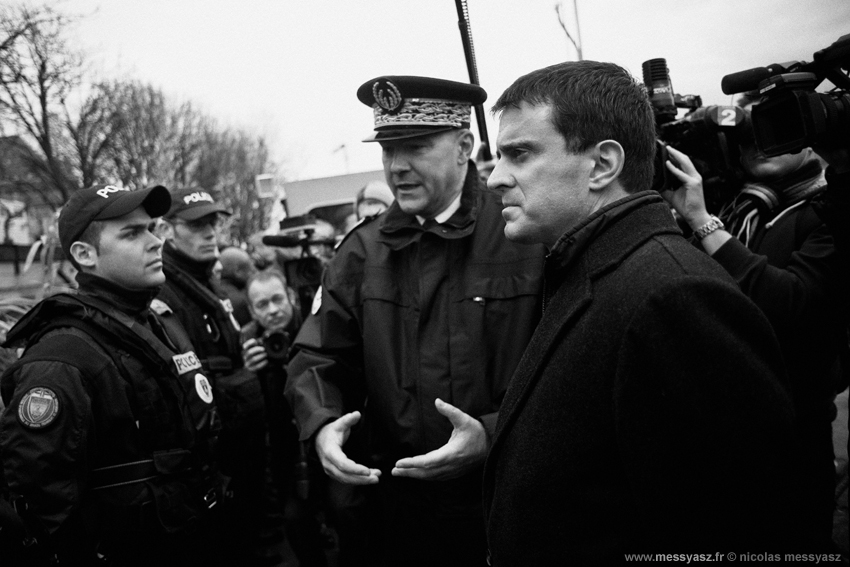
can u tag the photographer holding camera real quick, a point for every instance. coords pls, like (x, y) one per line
(266, 341)
(770, 238)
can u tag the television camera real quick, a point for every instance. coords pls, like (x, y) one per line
(303, 274)
(709, 135)
(792, 115)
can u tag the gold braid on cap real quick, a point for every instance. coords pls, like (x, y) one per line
(424, 112)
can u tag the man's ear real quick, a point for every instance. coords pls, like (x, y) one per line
(465, 143)
(84, 254)
(608, 160)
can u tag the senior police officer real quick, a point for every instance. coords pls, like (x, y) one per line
(106, 441)
(421, 319)
(194, 298)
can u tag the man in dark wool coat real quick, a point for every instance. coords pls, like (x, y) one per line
(650, 411)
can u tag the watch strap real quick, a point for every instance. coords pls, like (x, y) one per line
(713, 224)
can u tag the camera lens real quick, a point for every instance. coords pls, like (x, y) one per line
(277, 345)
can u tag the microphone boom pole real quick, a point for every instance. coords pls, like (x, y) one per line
(472, 67)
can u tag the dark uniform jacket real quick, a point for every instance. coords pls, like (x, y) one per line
(108, 442)
(237, 294)
(409, 313)
(195, 300)
(203, 309)
(649, 412)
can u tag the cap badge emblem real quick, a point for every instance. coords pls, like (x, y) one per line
(387, 96)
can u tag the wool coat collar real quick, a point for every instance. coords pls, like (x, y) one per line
(581, 255)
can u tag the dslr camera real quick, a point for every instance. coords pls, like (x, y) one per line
(792, 116)
(276, 344)
(709, 135)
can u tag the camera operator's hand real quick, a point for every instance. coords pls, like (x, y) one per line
(254, 355)
(337, 465)
(689, 199)
(466, 449)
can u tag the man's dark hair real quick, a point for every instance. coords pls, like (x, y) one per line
(91, 235)
(591, 102)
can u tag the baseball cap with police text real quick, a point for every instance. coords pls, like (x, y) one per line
(105, 202)
(192, 203)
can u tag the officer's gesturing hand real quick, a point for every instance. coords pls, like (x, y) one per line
(466, 449)
(337, 465)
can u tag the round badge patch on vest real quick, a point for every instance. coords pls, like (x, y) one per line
(38, 408)
(202, 385)
(317, 301)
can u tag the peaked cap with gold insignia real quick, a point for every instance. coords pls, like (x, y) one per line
(406, 107)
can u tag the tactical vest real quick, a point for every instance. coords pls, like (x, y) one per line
(216, 335)
(176, 418)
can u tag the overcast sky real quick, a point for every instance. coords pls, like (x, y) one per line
(289, 69)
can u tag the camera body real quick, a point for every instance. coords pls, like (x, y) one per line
(276, 344)
(707, 134)
(792, 115)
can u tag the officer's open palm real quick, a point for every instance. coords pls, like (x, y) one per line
(337, 465)
(466, 449)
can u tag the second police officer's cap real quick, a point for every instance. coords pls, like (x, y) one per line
(406, 106)
(192, 203)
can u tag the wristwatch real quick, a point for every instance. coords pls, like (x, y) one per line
(713, 224)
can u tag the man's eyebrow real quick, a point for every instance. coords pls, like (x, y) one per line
(514, 144)
(136, 226)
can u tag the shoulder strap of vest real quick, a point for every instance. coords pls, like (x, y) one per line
(209, 302)
(203, 295)
(69, 348)
(140, 341)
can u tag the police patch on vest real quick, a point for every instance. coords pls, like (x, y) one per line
(202, 385)
(39, 407)
(317, 301)
(186, 362)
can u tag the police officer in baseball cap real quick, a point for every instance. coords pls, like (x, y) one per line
(105, 459)
(416, 332)
(196, 299)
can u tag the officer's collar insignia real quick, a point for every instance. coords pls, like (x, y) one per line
(387, 96)
(317, 302)
(38, 408)
(202, 386)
